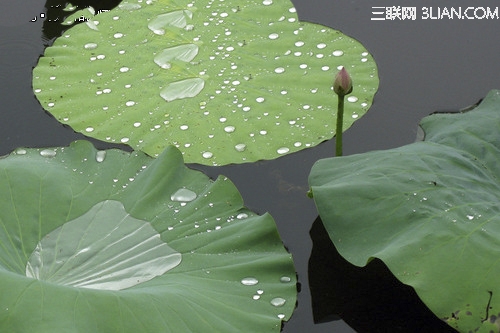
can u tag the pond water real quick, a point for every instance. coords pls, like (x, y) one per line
(425, 65)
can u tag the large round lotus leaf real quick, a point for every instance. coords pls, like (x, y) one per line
(430, 210)
(107, 241)
(224, 81)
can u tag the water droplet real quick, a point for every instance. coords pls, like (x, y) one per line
(100, 156)
(249, 281)
(352, 99)
(285, 279)
(222, 119)
(118, 35)
(184, 127)
(89, 129)
(207, 154)
(242, 216)
(130, 103)
(240, 147)
(124, 69)
(129, 6)
(183, 195)
(186, 53)
(267, 2)
(299, 43)
(48, 153)
(470, 217)
(229, 129)
(273, 36)
(278, 301)
(90, 46)
(260, 99)
(321, 45)
(338, 53)
(137, 124)
(281, 316)
(182, 89)
(283, 150)
(279, 70)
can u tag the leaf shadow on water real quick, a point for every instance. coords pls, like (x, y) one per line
(369, 299)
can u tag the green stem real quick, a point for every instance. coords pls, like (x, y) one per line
(340, 122)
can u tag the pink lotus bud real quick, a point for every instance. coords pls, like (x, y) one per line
(343, 83)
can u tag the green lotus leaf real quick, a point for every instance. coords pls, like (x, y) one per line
(107, 241)
(428, 210)
(225, 81)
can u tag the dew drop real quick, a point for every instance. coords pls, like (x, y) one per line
(279, 70)
(352, 99)
(129, 6)
(183, 195)
(249, 281)
(267, 2)
(260, 99)
(20, 151)
(89, 129)
(229, 129)
(240, 147)
(48, 153)
(124, 140)
(338, 53)
(130, 103)
(273, 36)
(118, 35)
(90, 46)
(299, 43)
(285, 279)
(207, 154)
(184, 127)
(283, 150)
(124, 69)
(278, 301)
(281, 316)
(100, 156)
(137, 124)
(242, 216)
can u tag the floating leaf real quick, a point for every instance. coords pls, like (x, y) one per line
(225, 81)
(429, 210)
(107, 241)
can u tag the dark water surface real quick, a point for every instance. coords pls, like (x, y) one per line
(425, 65)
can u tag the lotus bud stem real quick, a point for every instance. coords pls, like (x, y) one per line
(341, 86)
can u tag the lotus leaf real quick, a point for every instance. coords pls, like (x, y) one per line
(428, 210)
(108, 241)
(224, 81)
